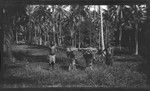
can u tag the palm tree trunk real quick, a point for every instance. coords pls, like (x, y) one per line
(30, 37)
(136, 40)
(72, 41)
(90, 35)
(120, 38)
(106, 37)
(45, 39)
(53, 24)
(40, 41)
(35, 37)
(57, 38)
(130, 45)
(102, 31)
(16, 37)
(60, 34)
(54, 34)
(79, 39)
(40, 38)
(72, 38)
(48, 38)
(80, 33)
(99, 32)
(75, 41)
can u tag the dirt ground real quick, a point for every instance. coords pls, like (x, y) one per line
(37, 72)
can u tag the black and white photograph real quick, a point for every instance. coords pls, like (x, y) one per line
(75, 45)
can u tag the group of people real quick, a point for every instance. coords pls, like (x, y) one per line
(88, 56)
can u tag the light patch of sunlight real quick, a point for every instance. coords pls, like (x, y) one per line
(49, 6)
(67, 8)
(95, 7)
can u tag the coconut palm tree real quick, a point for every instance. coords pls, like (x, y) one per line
(60, 14)
(138, 17)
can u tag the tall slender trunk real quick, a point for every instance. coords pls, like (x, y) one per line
(106, 37)
(72, 38)
(48, 38)
(54, 34)
(136, 41)
(80, 32)
(61, 29)
(35, 36)
(57, 38)
(79, 39)
(102, 31)
(45, 39)
(53, 25)
(40, 41)
(120, 38)
(90, 35)
(72, 41)
(60, 34)
(75, 41)
(16, 37)
(130, 44)
(40, 38)
(30, 38)
(99, 31)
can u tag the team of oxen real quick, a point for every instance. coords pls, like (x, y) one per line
(89, 55)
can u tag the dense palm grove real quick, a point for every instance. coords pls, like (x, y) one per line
(119, 27)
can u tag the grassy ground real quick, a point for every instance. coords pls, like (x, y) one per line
(37, 73)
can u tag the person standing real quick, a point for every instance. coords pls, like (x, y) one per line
(52, 55)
